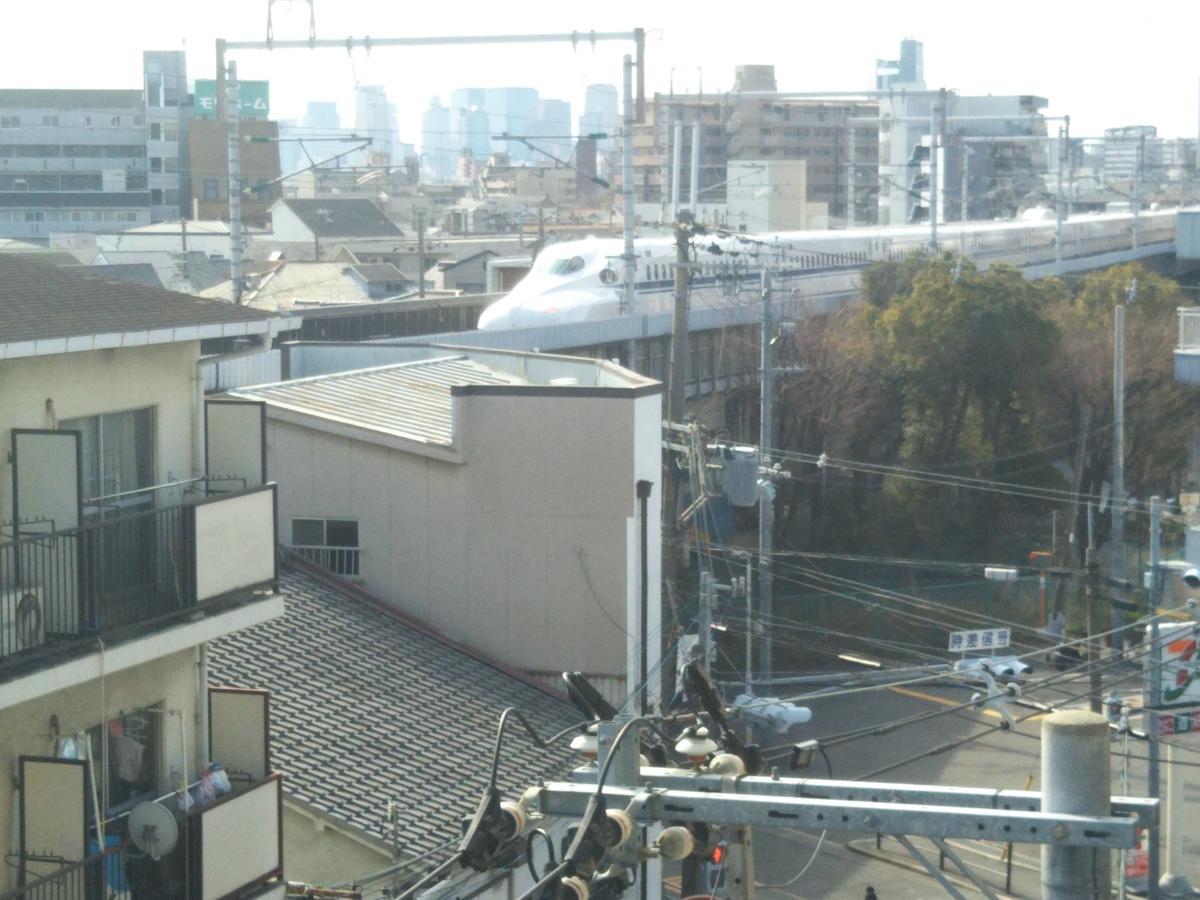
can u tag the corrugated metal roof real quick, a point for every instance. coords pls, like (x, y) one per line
(409, 400)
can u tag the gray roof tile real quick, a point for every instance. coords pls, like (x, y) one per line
(367, 707)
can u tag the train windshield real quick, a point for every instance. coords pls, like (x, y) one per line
(566, 266)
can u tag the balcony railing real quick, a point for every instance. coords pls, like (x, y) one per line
(338, 560)
(1189, 328)
(224, 849)
(60, 590)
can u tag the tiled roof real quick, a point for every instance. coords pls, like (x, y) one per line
(40, 302)
(343, 217)
(409, 400)
(368, 707)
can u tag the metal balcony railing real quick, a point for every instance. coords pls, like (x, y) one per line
(62, 589)
(1189, 328)
(338, 560)
(198, 866)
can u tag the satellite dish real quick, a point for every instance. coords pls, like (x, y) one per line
(153, 829)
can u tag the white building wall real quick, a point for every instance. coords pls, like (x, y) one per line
(287, 227)
(39, 391)
(524, 551)
(25, 729)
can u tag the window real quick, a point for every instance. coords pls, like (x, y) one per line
(116, 120)
(170, 165)
(212, 189)
(156, 196)
(567, 266)
(10, 121)
(50, 120)
(118, 451)
(155, 131)
(170, 131)
(156, 164)
(330, 543)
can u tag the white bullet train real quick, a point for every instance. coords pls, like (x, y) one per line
(581, 281)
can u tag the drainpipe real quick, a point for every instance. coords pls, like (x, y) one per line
(200, 658)
(643, 494)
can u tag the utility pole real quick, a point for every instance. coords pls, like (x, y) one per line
(233, 109)
(1058, 199)
(676, 164)
(1137, 186)
(934, 116)
(679, 322)
(628, 255)
(1092, 596)
(1117, 495)
(766, 496)
(1075, 781)
(853, 173)
(965, 191)
(1153, 695)
(694, 192)
(419, 218)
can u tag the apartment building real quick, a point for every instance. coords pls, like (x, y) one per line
(131, 534)
(72, 160)
(755, 123)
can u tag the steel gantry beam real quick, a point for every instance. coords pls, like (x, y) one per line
(650, 805)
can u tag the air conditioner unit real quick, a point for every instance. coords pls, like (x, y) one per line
(22, 622)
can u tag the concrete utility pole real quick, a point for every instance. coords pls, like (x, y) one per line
(628, 255)
(1135, 202)
(676, 164)
(419, 217)
(235, 185)
(679, 323)
(766, 497)
(1075, 781)
(851, 150)
(1058, 198)
(1092, 596)
(694, 192)
(1117, 498)
(964, 194)
(1153, 696)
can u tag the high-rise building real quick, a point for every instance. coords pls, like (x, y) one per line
(555, 124)
(907, 71)
(374, 118)
(1132, 148)
(437, 150)
(322, 114)
(600, 112)
(167, 121)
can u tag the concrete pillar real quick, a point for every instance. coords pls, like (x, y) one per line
(1075, 780)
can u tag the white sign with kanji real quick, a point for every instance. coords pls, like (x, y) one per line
(982, 639)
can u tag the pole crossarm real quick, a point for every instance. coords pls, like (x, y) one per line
(1144, 812)
(1018, 826)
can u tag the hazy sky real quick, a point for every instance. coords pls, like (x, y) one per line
(1104, 63)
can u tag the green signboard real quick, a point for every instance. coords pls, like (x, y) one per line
(255, 97)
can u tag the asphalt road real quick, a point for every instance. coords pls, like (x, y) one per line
(848, 863)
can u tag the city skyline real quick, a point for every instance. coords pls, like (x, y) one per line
(1155, 83)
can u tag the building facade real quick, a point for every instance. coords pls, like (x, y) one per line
(72, 160)
(490, 494)
(167, 115)
(119, 561)
(208, 150)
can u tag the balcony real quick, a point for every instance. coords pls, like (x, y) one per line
(1187, 352)
(229, 847)
(122, 580)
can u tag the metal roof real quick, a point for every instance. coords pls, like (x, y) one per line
(409, 400)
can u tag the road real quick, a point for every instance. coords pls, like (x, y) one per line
(848, 863)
